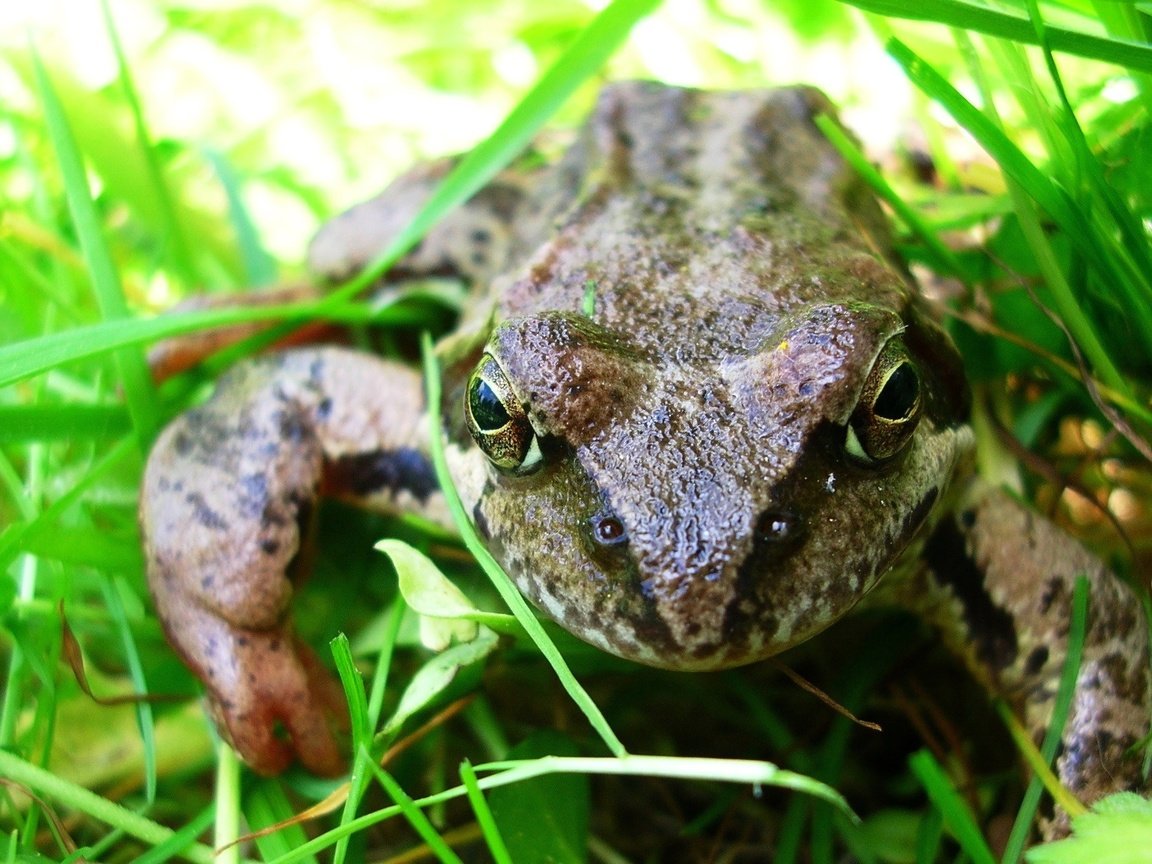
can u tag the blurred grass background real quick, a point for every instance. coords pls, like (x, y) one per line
(216, 135)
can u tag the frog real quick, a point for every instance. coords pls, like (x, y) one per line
(695, 405)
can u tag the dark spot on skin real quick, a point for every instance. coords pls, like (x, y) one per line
(1036, 660)
(207, 582)
(481, 236)
(253, 497)
(269, 547)
(1121, 676)
(919, 513)
(242, 641)
(272, 517)
(324, 409)
(183, 443)
(990, 628)
(363, 474)
(293, 428)
(1056, 588)
(204, 514)
(295, 504)
(481, 522)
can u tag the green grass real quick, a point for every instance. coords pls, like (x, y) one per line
(113, 208)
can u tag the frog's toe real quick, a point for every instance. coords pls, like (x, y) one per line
(283, 706)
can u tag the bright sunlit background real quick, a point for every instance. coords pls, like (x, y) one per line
(317, 104)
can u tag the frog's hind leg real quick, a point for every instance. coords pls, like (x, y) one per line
(228, 492)
(999, 584)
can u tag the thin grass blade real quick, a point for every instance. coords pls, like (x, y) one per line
(139, 392)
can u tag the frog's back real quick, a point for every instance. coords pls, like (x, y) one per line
(728, 210)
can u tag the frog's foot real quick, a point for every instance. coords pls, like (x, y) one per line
(267, 692)
(286, 706)
(228, 494)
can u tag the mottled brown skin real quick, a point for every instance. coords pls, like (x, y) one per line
(705, 469)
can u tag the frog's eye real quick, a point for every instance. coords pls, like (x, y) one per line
(889, 407)
(498, 422)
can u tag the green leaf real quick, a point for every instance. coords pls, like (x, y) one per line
(446, 614)
(267, 804)
(1117, 830)
(436, 675)
(546, 818)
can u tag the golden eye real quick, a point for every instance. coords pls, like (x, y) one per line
(497, 421)
(889, 408)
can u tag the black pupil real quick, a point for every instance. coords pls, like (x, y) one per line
(898, 397)
(487, 410)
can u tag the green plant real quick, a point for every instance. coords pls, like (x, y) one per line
(106, 221)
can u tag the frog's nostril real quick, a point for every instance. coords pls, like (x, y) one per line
(608, 530)
(779, 527)
(779, 530)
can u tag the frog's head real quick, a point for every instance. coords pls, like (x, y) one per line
(699, 515)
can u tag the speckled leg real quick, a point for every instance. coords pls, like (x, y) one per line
(226, 492)
(1002, 578)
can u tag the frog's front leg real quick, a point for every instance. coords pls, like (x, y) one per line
(1001, 581)
(227, 498)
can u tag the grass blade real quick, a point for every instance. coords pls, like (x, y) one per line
(75, 797)
(508, 592)
(1018, 28)
(1061, 706)
(412, 813)
(170, 227)
(34, 356)
(496, 845)
(952, 807)
(259, 268)
(584, 57)
(1047, 195)
(139, 392)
